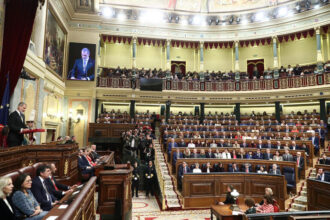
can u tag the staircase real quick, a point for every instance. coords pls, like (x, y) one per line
(300, 202)
(170, 197)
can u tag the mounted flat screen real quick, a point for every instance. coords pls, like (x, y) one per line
(151, 84)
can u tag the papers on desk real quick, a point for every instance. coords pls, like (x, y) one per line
(52, 218)
(74, 193)
(235, 213)
(63, 207)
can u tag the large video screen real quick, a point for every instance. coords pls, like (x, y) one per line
(81, 62)
(151, 84)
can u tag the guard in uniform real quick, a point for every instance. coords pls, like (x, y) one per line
(135, 180)
(150, 176)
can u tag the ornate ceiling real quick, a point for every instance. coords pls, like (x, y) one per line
(198, 5)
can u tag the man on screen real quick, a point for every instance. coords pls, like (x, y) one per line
(83, 69)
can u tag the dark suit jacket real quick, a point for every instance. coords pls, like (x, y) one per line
(5, 211)
(83, 164)
(316, 141)
(266, 157)
(40, 194)
(278, 172)
(181, 171)
(15, 124)
(301, 162)
(78, 70)
(56, 193)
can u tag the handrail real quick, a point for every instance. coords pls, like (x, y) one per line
(161, 182)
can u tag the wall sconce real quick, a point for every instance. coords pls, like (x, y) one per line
(73, 121)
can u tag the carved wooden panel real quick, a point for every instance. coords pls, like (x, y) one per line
(318, 195)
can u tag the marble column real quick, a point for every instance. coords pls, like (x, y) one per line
(168, 54)
(201, 57)
(278, 111)
(134, 52)
(318, 45)
(236, 57)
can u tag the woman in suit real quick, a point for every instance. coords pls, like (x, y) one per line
(229, 198)
(6, 207)
(23, 200)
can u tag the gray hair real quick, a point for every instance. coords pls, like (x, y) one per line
(3, 182)
(86, 50)
(21, 104)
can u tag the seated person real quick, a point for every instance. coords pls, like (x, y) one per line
(249, 202)
(94, 155)
(247, 168)
(275, 170)
(277, 156)
(40, 190)
(25, 204)
(191, 144)
(287, 156)
(176, 155)
(234, 168)
(320, 175)
(324, 159)
(262, 170)
(226, 154)
(229, 198)
(197, 169)
(258, 155)
(56, 188)
(194, 154)
(6, 205)
(267, 206)
(202, 154)
(207, 168)
(268, 155)
(218, 167)
(83, 164)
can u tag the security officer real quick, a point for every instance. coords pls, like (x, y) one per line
(135, 180)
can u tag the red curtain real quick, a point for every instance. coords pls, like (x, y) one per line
(19, 19)
(260, 66)
(178, 64)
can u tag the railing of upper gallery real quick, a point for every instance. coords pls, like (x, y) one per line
(228, 85)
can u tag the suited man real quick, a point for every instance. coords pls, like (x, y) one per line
(258, 155)
(84, 166)
(268, 144)
(247, 168)
(40, 190)
(244, 144)
(176, 155)
(222, 143)
(287, 156)
(182, 170)
(294, 146)
(316, 142)
(95, 156)
(171, 145)
(320, 175)
(182, 143)
(268, 155)
(83, 69)
(321, 133)
(260, 145)
(209, 153)
(300, 162)
(56, 188)
(16, 124)
(234, 168)
(324, 160)
(275, 170)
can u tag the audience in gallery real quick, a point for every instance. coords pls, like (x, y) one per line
(210, 75)
(25, 204)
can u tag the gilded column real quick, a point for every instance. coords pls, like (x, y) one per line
(236, 57)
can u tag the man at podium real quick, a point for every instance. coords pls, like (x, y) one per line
(16, 124)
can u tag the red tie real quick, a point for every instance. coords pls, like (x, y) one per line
(247, 170)
(298, 161)
(54, 183)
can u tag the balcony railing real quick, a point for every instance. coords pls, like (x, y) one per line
(213, 86)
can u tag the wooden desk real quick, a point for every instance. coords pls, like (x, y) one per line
(203, 190)
(223, 212)
(115, 198)
(65, 157)
(318, 195)
(82, 207)
(107, 160)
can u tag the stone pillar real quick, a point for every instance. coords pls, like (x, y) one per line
(132, 109)
(236, 57)
(134, 53)
(318, 45)
(237, 112)
(323, 113)
(201, 60)
(38, 33)
(278, 111)
(168, 54)
(202, 116)
(168, 110)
